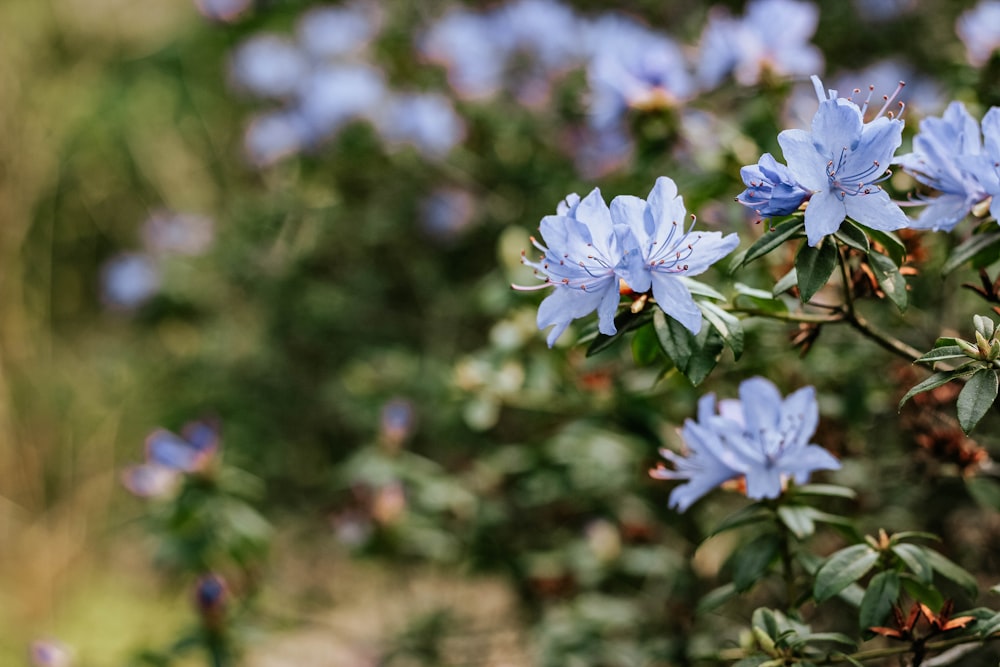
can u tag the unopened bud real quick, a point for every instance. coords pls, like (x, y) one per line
(968, 348)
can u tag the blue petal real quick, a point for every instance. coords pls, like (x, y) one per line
(707, 248)
(674, 299)
(806, 164)
(874, 210)
(824, 214)
(761, 402)
(564, 305)
(837, 125)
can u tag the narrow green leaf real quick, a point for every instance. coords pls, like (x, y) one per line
(882, 593)
(750, 562)
(945, 341)
(853, 236)
(933, 382)
(698, 288)
(914, 558)
(970, 248)
(798, 519)
(842, 569)
(953, 572)
(785, 283)
(891, 243)
(983, 325)
(727, 324)
(825, 490)
(813, 266)
(889, 279)
(715, 598)
(770, 240)
(989, 626)
(976, 398)
(837, 637)
(941, 354)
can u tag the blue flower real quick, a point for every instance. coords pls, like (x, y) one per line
(986, 166)
(940, 160)
(761, 438)
(771, 188)
(979, 30)
(749, 48)
(586, 253)
(842, 161)
(668, 251)
(593, 249)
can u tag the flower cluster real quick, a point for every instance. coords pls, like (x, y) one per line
(593, 249)
(836, 169)
(324, 81)
(170, 456)
(760, 439)
(748, 48)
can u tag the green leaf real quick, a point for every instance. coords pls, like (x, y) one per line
(694, 356)
(645, 347)
(759, 299)
(785, 283)
(976, 398)
(922, 592)
(972, 247)
(698, 288)
(770, 240)
(853, 236)
(754, 661)
(953, 572)
(743, 517)
(882, 593)
(889, 279)
(890, 242)
(842, 569)
(624, 322)
(989, 626)
(984, 491)
(983, 325)
(798, 519)
(914, 558)
(941, 354)
(813, 265)
(933, 382)
(727, 324)
(715, 598)
(825, 490)
(750, 562)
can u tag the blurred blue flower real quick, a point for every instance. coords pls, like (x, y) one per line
(773, 37)
(210, 593)
(979, 30)
(273, 136)
(586, 253)
(632, 66)
(50, 653)
(464, 43)
(222, 10)
(427, 121)
(189, 452)
(335, 32)
(267, 65)
(332, 95)
(761, 439)
(771, 188)
(842, 161)
(544, 29)
(166, 232)
(940, 161)
(668, 251)
(129, 279)
(446, 213)
(150, 480)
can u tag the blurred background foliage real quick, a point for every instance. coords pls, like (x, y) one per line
(346, 314)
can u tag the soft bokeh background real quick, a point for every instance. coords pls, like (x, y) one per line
(174, 244)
